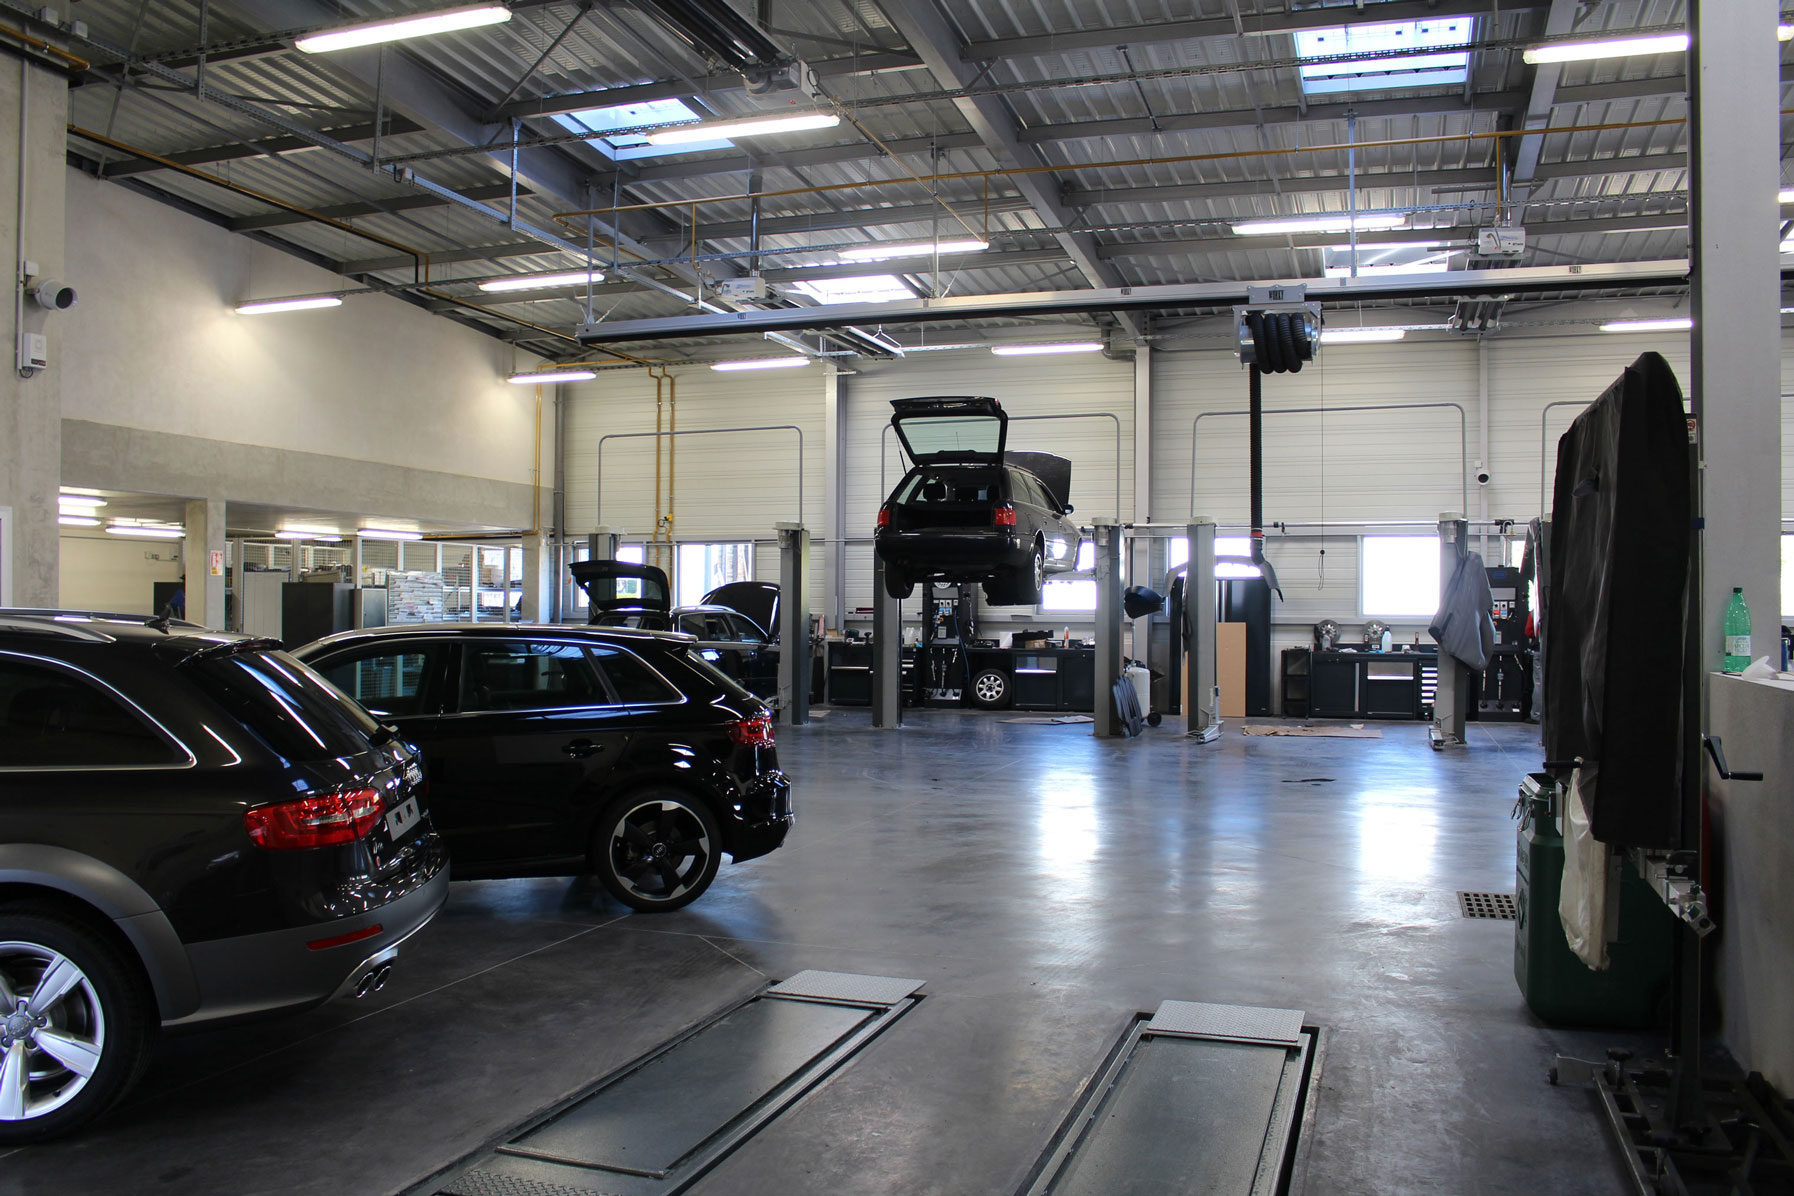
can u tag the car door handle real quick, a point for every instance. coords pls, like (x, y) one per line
(579, 749)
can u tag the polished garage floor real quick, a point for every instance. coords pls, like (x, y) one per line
(1044, 884)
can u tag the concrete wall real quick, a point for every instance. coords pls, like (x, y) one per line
(115, 574)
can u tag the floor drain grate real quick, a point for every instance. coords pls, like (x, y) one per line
(1499, 906)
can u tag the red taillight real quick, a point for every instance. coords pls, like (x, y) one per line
(340, 940)
(318, 821)
(1005, 516)
(884, 517)
(752, 732)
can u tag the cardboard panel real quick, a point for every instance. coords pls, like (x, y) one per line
(1230, 661)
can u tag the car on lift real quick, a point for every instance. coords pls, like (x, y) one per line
(971, 510)
(195, 829)
(562, 751)
(743, 645)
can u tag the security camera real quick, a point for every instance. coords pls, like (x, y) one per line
(1482, 477)
(52, 294)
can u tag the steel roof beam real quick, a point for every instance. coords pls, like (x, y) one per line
(397, 203)
(1230, 243)
(1559, 21)
(237, 151)
(929, 35)
(1489, 103)
(1257, 24)
(972, 210)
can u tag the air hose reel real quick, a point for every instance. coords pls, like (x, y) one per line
(1277, 329)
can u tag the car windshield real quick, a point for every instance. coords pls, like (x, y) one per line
(948, 487)
(298, 713)
(958, 435)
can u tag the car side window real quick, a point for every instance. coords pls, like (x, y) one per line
(51, 718)
(692, 625)
(631, 680)
(389, 680)
(718, 627)
(527, 675)
(745, 631)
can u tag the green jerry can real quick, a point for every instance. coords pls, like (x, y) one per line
(1633, 993)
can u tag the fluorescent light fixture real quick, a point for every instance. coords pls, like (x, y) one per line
(1784, 33)
(536, 282)
(1678, 324)
(879, 253)
(547, 376)
(1606, 47)
(1057, 347)
(295, 534)
(267, 306)
(383, 533)
(85, 502)
(1361, 336)
(78, 521)
(754, 126)
(762, 363)
(1785, 195)
(1338, 223)
(372, 33)
(148, 533)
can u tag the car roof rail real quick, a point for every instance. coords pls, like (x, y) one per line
(46, 624)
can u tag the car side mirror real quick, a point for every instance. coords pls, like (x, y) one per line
(1068, 508)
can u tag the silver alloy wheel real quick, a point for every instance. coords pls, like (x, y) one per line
(659, 850)
(52, 1030)
(989, 687)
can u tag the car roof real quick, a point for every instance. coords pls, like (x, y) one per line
(587, 631)
(108, 627)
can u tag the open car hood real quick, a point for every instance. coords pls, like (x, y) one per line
(951, 428)
(758, 600)
(619, 585)
(1053, 470)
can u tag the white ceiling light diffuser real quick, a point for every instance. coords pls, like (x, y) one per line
(79, 502)
(1336, 223)
(881, 253)
(1785, 195)
(1676, 324)
(1361, 336)
(543, 377)
(382, 533)
(263, 307)
(537, 282)
(392, 29)
(320, 537)
(146, 532)
(762, 363)
(1606, 47)
(754, 126)
(78, 521)
(1784, 33)
(1056, 347)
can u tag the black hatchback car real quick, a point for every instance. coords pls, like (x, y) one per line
(194, 828)
(623, 594)
(969, 510)
(557, 751)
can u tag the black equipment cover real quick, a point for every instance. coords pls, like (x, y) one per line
(1618, 580)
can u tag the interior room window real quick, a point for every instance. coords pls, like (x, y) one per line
(53, 719)
(703, 567)
(1398, 577)
(1395, 69)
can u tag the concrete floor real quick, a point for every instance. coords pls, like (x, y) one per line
(1046, 886)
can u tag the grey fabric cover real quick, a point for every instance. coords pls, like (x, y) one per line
(1465, 624)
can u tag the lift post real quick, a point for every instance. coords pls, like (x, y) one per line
(794, 624)
(1202, 705)
(887, 652)
(1454, 687)
(1106, 535)
(602, 543)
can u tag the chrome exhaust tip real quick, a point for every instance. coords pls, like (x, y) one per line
(380, 979)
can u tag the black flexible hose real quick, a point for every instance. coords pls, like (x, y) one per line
(1255, 449)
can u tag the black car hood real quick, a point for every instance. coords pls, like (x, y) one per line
(1053, 471)
(604, 581)
(758, 600)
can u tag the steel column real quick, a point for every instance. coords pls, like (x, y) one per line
(1107, 537)
(887, 652)
(1202, 694)
(794, 624)
(1453, 692)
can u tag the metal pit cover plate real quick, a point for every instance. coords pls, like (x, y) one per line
(846, 987)
(1229, 1023)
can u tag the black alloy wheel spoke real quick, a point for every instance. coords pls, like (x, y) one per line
(670, 875)
(638, 837)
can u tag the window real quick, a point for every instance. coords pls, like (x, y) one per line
(1177, 552)
(1787, 577)
(867, 288)
(632, 554)
(1398, 577)
(388, 681)
(1073, 594)
(703, 567)
(509, 675)
(1395, 69)
(1428, 257)
(622, 147)
(50, 718)
(295, 712)
(632, 682)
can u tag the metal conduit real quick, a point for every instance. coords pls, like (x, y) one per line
(884, 445)
(1544, 470)
(1463, 437)
(598, 472)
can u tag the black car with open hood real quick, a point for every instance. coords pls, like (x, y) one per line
(970, 509)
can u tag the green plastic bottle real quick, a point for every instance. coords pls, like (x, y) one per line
(1737, 632)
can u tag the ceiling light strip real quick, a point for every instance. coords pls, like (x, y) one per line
(392, 29)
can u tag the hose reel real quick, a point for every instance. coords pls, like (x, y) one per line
(1277, 330)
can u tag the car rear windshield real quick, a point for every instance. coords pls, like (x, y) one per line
(696, 659)
(951, 487)
(294, 710)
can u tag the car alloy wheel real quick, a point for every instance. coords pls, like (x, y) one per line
(990, 689)
(52, 1031)
(657, 851)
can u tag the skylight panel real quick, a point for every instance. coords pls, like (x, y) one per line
(623, 147)
(1396, 70)
(866, 288)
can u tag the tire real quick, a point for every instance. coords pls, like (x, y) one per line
(101, 1019)
(990, 690)
(1026, 587)
(897, 585)
(656, 849)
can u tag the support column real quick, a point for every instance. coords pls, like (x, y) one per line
(1453, 691)
(1202, 693)
(202, 556)
(887, 652)
(794, 624)
(834, 521)
(1140, 570)
(602, 543)
(536, 575)
(236, 553)
(33, 123)
(1735, 156)
(1107, 537)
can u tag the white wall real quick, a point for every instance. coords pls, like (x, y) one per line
(155, 344)
(112, 573)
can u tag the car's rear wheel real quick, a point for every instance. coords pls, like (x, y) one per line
(898, 584)
(657, 850)
(76, 1021)
(1021, 587)
(990, 690)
